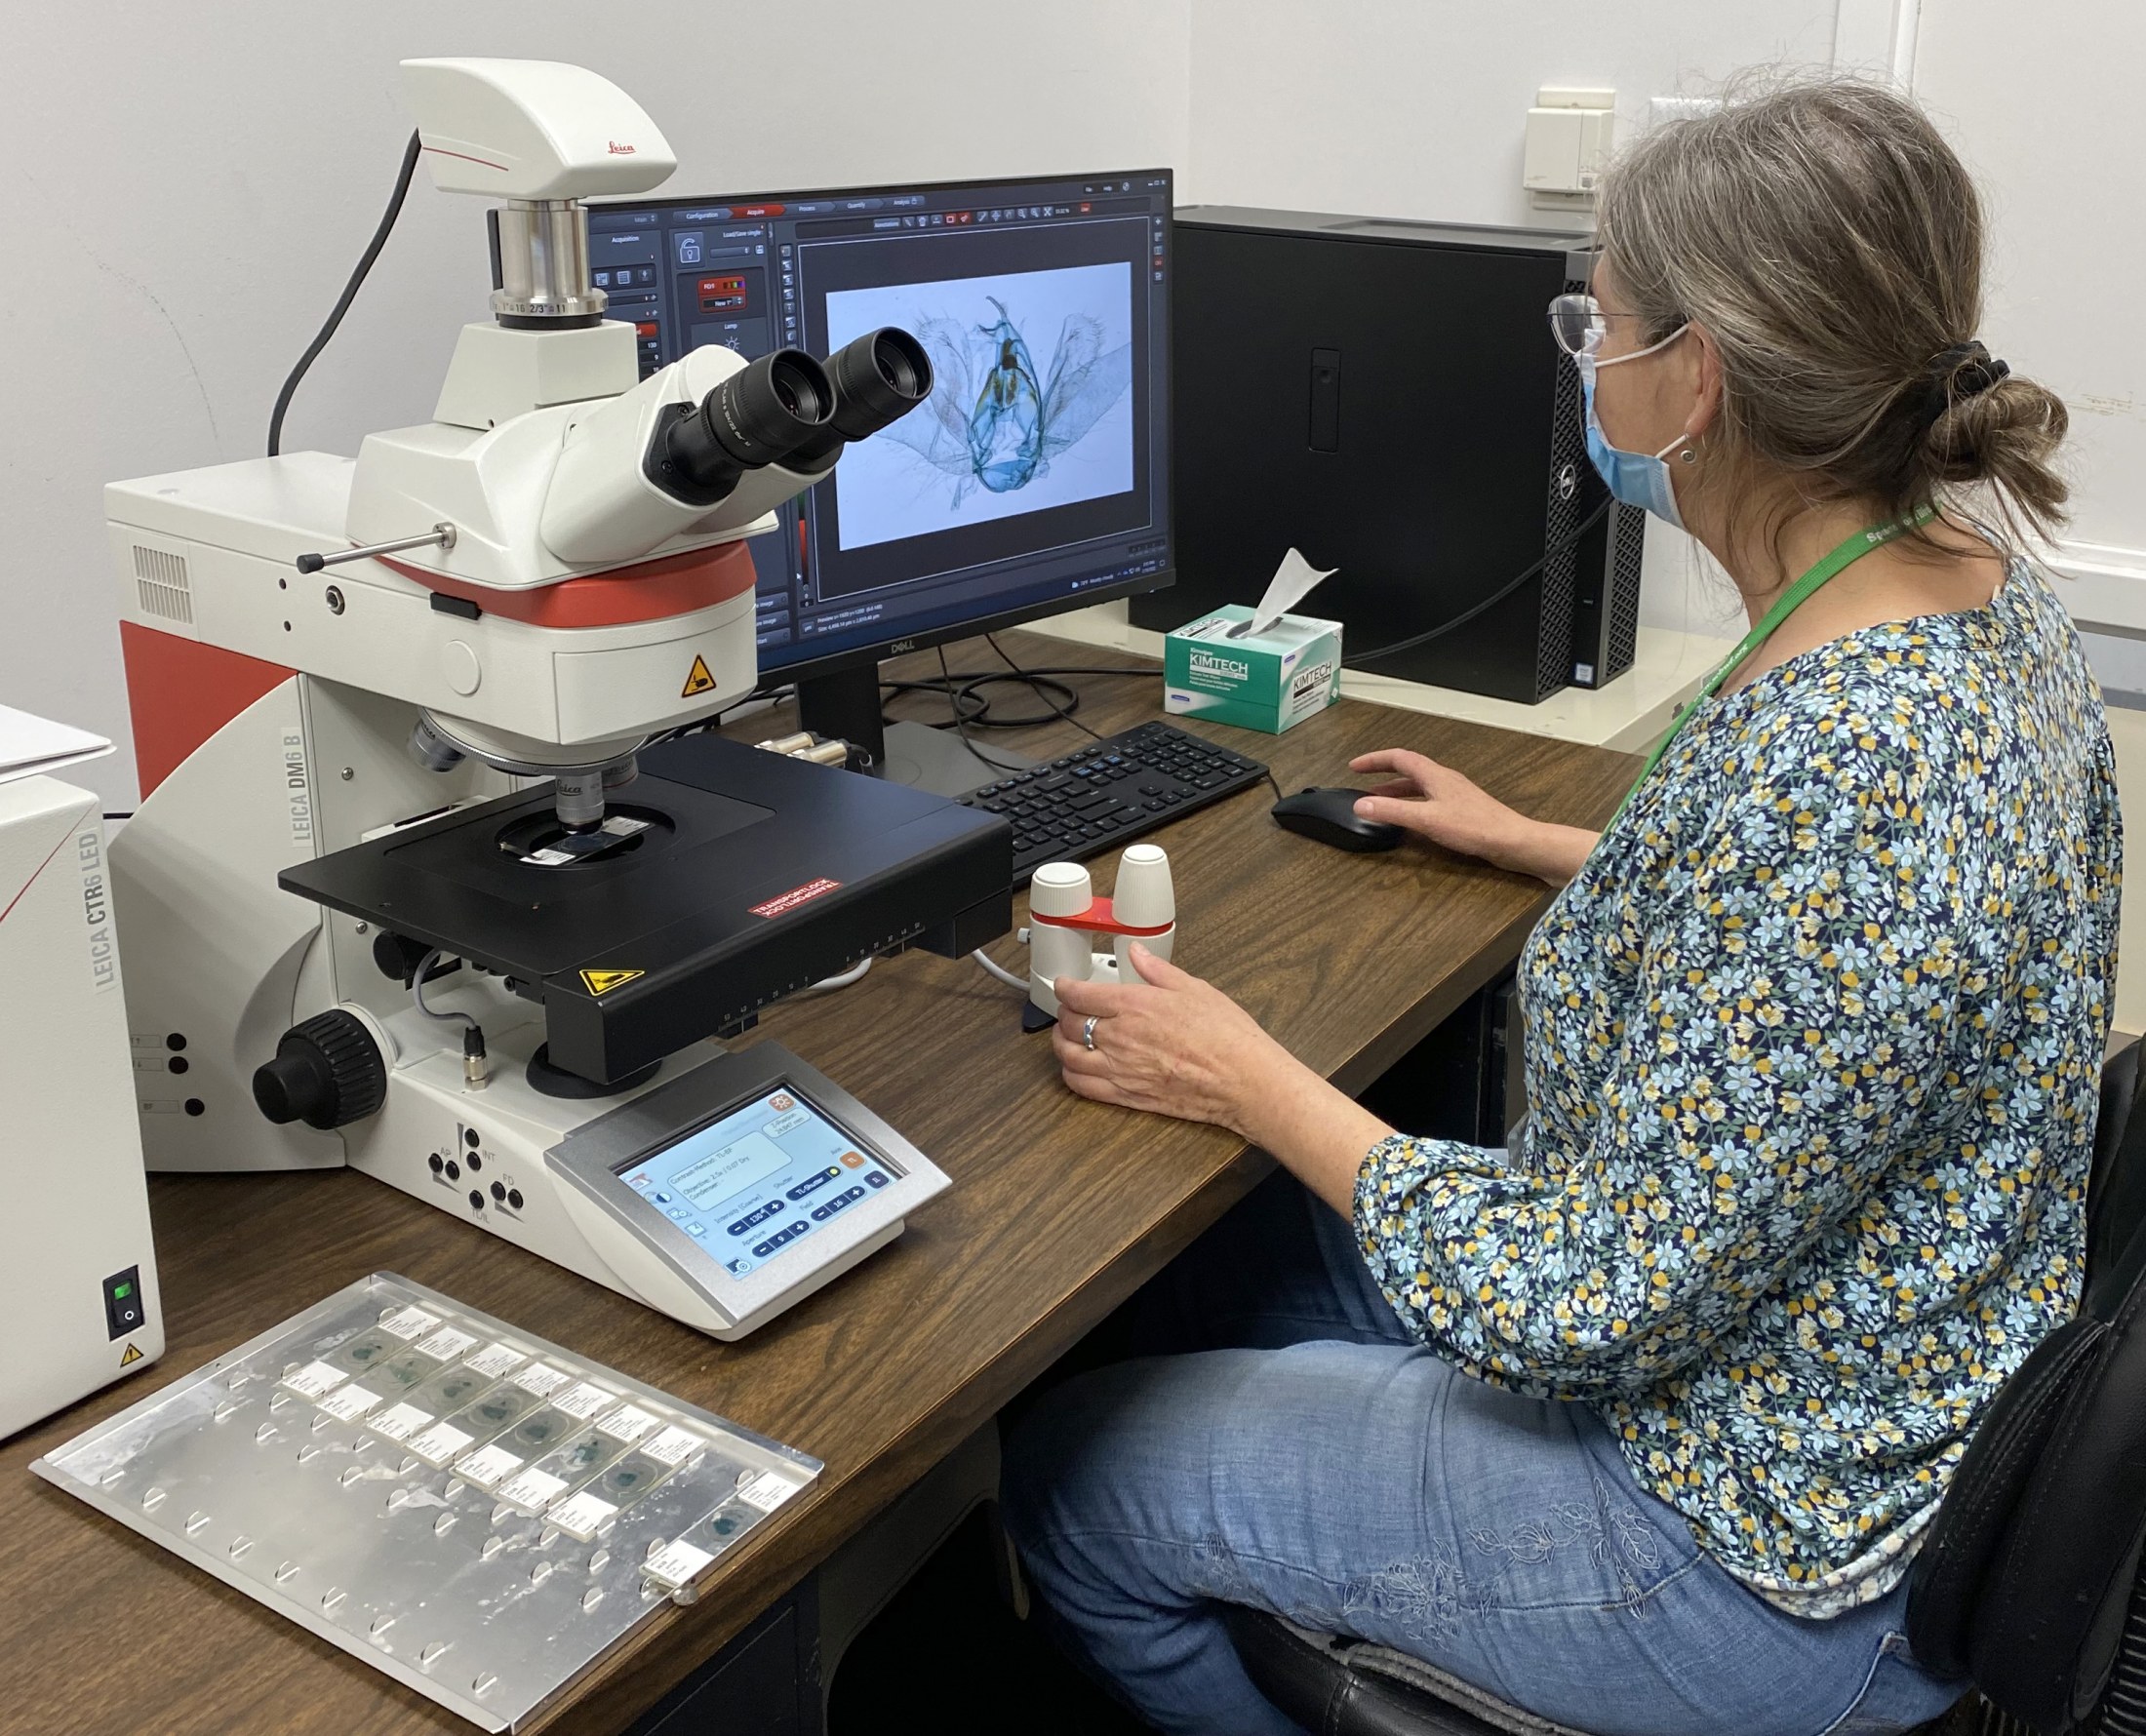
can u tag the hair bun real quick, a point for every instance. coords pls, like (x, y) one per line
(2001, 429)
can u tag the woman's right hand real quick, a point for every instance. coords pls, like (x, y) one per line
(1439, 804)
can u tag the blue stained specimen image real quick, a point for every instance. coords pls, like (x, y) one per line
(1006, 428)
(1029, 408)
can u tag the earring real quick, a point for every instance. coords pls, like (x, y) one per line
(1689, 455)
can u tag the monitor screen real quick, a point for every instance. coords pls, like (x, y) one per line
(747, 1185)
(1034, 477)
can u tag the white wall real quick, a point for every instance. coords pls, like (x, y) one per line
(2044, 126)
(1415, 107)
(195, 183)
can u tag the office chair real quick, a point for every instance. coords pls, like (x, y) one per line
(2029, 1583)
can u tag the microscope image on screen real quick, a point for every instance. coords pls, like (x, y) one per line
(1030, 409)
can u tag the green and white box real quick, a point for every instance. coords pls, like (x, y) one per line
(1262, 681)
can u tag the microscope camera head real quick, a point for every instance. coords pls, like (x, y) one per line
(540, 137)
(532, 130)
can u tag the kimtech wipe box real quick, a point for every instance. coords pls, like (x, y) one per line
(1262, 681)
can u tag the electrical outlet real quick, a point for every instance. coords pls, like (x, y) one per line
(1569, 140)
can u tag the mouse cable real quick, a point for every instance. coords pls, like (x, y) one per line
(350, 293)
(1562, 546)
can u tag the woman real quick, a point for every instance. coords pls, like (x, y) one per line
(1637, 1424)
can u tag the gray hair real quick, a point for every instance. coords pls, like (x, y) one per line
(1830, 243)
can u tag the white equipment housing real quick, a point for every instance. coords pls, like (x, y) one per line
(75, 1201)
(546, 609)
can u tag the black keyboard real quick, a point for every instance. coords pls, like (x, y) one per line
(1110, 792)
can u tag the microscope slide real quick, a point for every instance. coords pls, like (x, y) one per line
(1031, 406)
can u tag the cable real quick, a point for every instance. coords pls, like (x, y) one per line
(962, 724)
(999, 970)
(960, 688)
(416, 993)
(841, 980)
(350, 294)
(1562, 546)
(1036, 683)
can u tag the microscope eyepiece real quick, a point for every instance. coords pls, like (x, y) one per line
(877, 379)
(756, 417)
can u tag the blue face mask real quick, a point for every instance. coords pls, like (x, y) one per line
(1638, 479)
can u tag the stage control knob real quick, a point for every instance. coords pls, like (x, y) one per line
(326, 1072)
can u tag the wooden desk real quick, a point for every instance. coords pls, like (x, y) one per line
(1060, 1210)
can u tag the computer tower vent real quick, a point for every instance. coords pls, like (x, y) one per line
(1574, 493)
(160, 582)
(1629, 527)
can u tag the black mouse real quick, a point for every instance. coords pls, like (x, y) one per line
(1330, 817)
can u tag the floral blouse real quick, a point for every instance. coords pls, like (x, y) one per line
(1812, 1060)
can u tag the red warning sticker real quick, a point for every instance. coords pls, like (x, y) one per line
(787, 901)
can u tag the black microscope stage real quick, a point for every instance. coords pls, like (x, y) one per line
(756, 874)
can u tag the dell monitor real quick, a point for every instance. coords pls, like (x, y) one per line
(1035, 478)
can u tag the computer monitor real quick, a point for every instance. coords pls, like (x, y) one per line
(1034, 479)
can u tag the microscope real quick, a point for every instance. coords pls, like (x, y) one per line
(431, 876)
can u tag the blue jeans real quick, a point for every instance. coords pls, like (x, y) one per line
(1297, 1451)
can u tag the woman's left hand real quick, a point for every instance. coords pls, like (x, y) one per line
(1166, 1042)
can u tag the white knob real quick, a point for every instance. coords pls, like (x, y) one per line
(1143, 897)
(1060, 889)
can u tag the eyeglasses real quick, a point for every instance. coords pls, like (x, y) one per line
(1579, 324)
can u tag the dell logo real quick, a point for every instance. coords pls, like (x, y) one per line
(621, 150)
(900, 645)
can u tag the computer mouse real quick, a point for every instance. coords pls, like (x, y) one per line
(1330, 817)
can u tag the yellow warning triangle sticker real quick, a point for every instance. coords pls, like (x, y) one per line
(700, 681)
(602, 982)
(132, 1355)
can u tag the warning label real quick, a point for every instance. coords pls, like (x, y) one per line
(602, 982)
(796, 895)
(698, 680)
(132, 1356)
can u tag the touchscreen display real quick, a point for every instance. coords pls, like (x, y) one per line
(764, 1176)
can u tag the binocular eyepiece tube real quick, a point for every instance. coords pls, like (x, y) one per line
(878, 378)
(786, 408)
(756, 417)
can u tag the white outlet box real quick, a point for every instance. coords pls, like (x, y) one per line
(1569, 135)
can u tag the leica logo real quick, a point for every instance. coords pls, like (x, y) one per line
(621, 150)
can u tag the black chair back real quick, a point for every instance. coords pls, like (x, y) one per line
(2026, 1583)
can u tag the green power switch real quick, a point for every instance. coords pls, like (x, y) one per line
(123, 1302)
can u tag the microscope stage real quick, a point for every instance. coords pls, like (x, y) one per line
(756, 874)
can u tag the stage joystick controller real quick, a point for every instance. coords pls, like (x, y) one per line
(1065, 918)
(326, 1072)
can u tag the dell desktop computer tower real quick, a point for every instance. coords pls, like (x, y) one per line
(1387, 398)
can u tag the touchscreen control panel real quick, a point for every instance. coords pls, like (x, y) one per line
(736, 1189)
(764, 1176)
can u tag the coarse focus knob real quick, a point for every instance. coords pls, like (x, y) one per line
(326, 1072)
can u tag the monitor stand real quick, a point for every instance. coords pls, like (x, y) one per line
(845, 704)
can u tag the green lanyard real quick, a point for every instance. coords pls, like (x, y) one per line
(1790, 600)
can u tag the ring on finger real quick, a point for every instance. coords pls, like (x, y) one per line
(1088, 1033)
